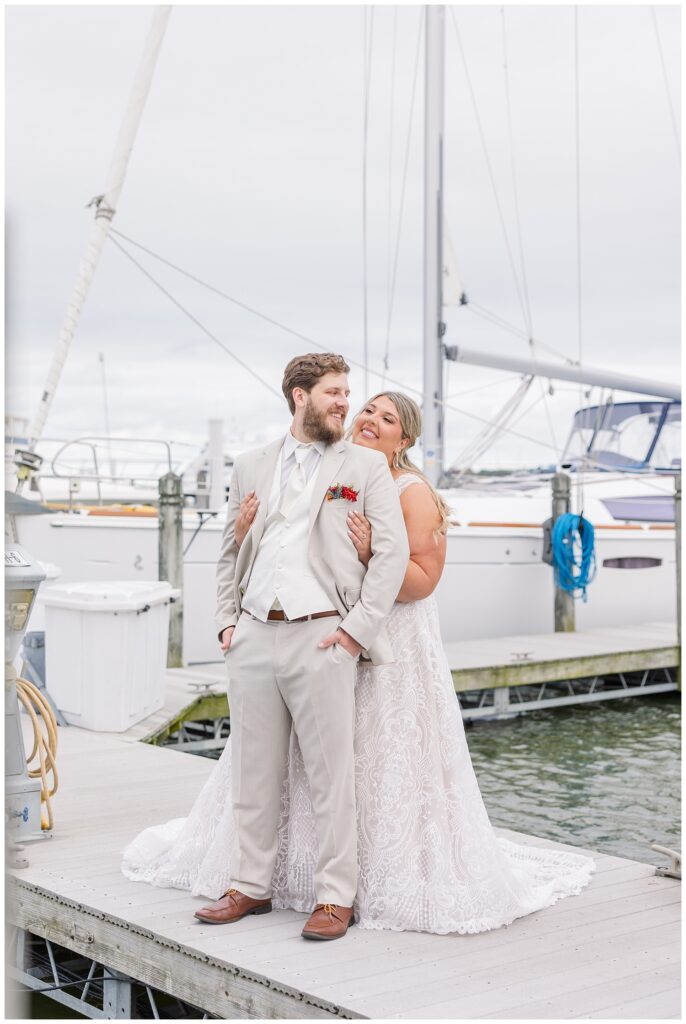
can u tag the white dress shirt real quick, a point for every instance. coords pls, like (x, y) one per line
(310, 465)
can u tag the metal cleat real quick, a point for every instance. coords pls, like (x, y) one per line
(200, 689)
(674, 869)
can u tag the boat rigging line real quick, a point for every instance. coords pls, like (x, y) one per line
(205, 516)
(665, 78)
(389, 204)
(498, 424)
(528, 319)
(518, 224)
(501, 322)
(489, 166)
(289, 330)
(401, 204)
(105, 405)
(195, 320)
(368, 40)
(484, 387)
(220, 293)
(481, 419)
(520, 286)
(525, 412)
(577, 139)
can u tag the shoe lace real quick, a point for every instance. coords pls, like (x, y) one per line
(329, 908)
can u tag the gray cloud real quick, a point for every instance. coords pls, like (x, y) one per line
(247, 172)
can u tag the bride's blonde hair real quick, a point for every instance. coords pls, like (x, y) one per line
(410, 417)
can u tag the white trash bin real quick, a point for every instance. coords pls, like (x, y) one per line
(106, 650)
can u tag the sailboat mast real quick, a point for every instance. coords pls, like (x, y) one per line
(105, 208)
(432, 437)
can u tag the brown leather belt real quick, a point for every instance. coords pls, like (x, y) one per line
(275, 616)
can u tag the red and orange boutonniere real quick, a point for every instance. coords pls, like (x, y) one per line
(341, 491)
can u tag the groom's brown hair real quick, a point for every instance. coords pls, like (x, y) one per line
(304, 372)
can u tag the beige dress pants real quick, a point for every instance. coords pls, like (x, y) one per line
(278, 676)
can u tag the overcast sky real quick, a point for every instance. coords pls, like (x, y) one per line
(247, 172)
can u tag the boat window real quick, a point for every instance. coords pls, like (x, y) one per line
(632, 562)
(667, 453)
(625, 436)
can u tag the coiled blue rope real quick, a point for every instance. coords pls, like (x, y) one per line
(574, 554)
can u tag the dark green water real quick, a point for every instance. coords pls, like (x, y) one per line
(605, 776)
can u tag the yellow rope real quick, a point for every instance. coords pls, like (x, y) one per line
(44, 743)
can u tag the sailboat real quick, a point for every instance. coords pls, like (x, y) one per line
(622, 457)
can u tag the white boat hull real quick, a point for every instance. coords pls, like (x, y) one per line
(494, 582)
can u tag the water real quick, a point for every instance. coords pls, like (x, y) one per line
(605, 776)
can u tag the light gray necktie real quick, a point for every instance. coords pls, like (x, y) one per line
(297, 481)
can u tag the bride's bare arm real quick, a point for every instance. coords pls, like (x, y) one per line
(427, 548)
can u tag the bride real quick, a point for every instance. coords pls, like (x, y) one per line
(429, 859)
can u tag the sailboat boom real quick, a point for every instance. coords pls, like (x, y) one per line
(560, 371)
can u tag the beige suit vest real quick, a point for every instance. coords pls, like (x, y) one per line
(282, 576)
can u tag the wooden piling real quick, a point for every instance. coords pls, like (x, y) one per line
(564, 602)
(171, 559)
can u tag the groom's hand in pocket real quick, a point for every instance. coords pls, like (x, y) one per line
(226, 638)
(344, 640)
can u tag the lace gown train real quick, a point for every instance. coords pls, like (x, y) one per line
(429, 858)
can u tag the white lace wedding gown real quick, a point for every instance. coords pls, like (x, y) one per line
(429, 858)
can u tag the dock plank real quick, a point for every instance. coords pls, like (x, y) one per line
(478, 998)
(654, 1007)
(475, 975)
(599, 1001)
(354, 967)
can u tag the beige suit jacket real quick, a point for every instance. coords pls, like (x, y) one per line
(363, 596)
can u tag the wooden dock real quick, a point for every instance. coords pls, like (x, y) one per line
(611, 952)
(550, 657)
(508, 675)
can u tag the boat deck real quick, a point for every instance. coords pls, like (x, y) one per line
(611, 952)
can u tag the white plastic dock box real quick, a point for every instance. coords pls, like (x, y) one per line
(106, 650)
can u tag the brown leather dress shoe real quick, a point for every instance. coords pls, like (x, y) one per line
(328, 922)
(232, 906)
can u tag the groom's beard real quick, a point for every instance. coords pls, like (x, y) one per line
(316, 425)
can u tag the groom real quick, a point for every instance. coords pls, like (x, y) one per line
(295, 611)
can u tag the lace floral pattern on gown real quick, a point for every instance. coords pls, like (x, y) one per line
(428, 856)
